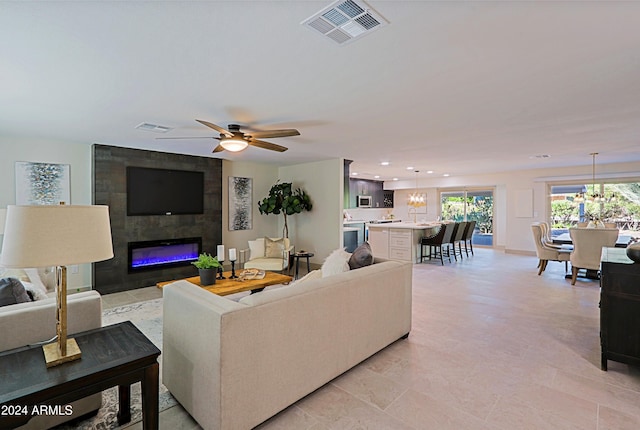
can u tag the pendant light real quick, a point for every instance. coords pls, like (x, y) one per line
(416, 200)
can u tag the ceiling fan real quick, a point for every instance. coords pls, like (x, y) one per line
(234, 140)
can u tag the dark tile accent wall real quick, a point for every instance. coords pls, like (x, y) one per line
(110, 188)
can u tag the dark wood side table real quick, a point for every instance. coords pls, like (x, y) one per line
(297, 256)
(619, 308)
(118, 354)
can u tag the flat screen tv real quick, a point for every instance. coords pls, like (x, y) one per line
(164, 191)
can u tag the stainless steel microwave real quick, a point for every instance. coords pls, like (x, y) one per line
(365, 201)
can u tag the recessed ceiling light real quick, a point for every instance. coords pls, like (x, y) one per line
(395, 179)
(409, 167)
(354, 173)
(385, 163)
(429, 171)
(446, 174)
(377, 176)
(153, 127)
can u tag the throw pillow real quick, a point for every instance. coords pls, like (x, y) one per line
(273, 248)
(34, 278)
(361, 257)
(336, 262)
(12, 292)
(256, 248)
(35, 292)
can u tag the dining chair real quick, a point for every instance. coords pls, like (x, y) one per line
(545, 253)
(587, 248)
(548, 241)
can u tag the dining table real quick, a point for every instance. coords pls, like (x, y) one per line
(565, 239)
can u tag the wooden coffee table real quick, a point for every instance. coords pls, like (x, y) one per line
(223, 287)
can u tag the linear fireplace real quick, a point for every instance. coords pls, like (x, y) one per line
(159, 254)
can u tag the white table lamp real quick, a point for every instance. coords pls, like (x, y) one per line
(3, 217)
(43, 236)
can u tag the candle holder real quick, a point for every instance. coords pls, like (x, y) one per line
(221, 271)
(233, 270)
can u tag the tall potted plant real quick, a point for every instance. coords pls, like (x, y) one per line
(207, 266)
(284, 199)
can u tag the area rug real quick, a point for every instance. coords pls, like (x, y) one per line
(147, 316)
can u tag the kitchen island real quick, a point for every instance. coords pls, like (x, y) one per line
(399, 240)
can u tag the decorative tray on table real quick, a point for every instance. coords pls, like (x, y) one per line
(249, 274)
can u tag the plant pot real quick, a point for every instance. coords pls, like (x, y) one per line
(633, 252)
(207, 276)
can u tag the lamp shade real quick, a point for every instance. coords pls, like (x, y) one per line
(3, 217)
(40, 236)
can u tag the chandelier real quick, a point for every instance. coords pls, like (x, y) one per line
(595, 197)
(417, 200)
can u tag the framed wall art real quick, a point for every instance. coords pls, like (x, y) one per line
(240, 203)
(42, 183)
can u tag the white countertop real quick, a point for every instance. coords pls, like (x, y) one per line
(409, 225)
(354, 221)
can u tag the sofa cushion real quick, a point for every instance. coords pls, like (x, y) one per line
(314, 274)
(361, 257)
(273, 248)
(336, 262)
(12, 292)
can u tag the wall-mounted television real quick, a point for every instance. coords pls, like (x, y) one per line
(153, 191)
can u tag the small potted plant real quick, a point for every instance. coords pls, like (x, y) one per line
(207, 268)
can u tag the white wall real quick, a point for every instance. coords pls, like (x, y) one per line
(78, 156)
(318, 231)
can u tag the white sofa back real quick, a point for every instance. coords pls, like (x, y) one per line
(233, 365)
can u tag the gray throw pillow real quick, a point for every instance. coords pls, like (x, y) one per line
(361, 257)
(12, 291)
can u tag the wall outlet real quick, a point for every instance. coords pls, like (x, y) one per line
(74, 268)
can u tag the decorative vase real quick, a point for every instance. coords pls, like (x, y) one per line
(633, 252)
(207, 276)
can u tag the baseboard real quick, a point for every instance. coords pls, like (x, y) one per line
(520, 252)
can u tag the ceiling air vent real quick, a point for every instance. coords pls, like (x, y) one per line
(345, 21)
(153, 127)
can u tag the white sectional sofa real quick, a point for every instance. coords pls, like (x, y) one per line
(26, 323)
(233, 365)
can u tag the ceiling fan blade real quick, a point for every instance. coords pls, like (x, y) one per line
(218, 148)
(274, 133)
(215, 127)
(191, 137)
(266, 145)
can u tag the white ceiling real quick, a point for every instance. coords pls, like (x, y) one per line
(453, 87)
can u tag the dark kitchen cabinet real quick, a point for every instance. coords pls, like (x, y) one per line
(619, 308)
(367, 187)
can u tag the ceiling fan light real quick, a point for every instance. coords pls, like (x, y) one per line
(234, 144)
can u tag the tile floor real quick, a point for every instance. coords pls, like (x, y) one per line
(493, 346)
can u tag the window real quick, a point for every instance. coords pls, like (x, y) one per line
(470, 205)
(617, 203)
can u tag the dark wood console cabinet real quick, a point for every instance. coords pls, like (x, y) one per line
(619, 308)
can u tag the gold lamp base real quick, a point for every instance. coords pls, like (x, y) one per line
(54, 357)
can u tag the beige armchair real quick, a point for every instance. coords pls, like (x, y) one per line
(587, 247)
(546, 253)
(265, 253)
